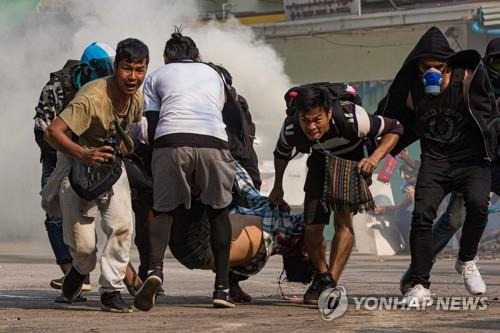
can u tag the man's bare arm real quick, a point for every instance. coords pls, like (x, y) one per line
(56, 136)
(276, 195)
(367, 165)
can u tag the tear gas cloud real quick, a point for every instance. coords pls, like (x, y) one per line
(41, 43)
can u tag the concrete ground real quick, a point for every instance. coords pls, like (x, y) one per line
(27, 302)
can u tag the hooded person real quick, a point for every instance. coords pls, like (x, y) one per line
(445, 99)
(434, 45)
(492, 62)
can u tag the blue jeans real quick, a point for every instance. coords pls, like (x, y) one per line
(54, 224)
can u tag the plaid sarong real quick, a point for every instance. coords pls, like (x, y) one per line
(344, 189)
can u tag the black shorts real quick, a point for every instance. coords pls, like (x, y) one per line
(314, 212)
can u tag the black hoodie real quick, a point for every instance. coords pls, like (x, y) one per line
(480, 101)
(493, 49)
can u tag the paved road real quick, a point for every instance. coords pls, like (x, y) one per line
(26, 300)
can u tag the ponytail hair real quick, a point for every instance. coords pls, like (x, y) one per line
(180, 47)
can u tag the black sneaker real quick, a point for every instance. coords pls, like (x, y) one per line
(321, 282)
(113, 302)
(145, 297)
(62, 299)
(72, 284)
(221, 299)
(235, 292)
(238, 295)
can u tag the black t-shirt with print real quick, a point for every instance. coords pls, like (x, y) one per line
(447, 129)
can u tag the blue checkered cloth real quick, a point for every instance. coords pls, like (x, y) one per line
(282, 232)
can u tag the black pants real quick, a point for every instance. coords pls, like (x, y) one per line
(435, 180)
(141, 205)
(220, 240)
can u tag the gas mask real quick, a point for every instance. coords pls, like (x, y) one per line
(432, 79)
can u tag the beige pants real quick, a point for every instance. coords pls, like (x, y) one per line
(116, 223)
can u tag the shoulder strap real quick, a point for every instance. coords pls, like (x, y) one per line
(209, 64)
(65, 77)
(234, 120)
(344, 128)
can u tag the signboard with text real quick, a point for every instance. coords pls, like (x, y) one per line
(306, 9)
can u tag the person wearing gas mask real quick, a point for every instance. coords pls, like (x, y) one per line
(445, 99)
(452, 220)
(492, 62)
(96, 62)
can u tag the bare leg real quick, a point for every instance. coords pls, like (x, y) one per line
(315, 248)
(342, 243)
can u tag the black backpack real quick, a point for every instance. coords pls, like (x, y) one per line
(239, 127)
(65, 76)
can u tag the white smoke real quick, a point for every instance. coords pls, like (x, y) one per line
(42, 43)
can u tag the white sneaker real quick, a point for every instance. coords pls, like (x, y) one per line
(417, 296)
(474, 283)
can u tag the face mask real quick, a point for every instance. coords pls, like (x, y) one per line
(432, 79)
(496, 66)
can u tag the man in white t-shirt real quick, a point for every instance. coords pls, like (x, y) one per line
(183, 102)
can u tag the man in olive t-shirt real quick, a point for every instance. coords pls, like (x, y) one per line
(89, 116)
